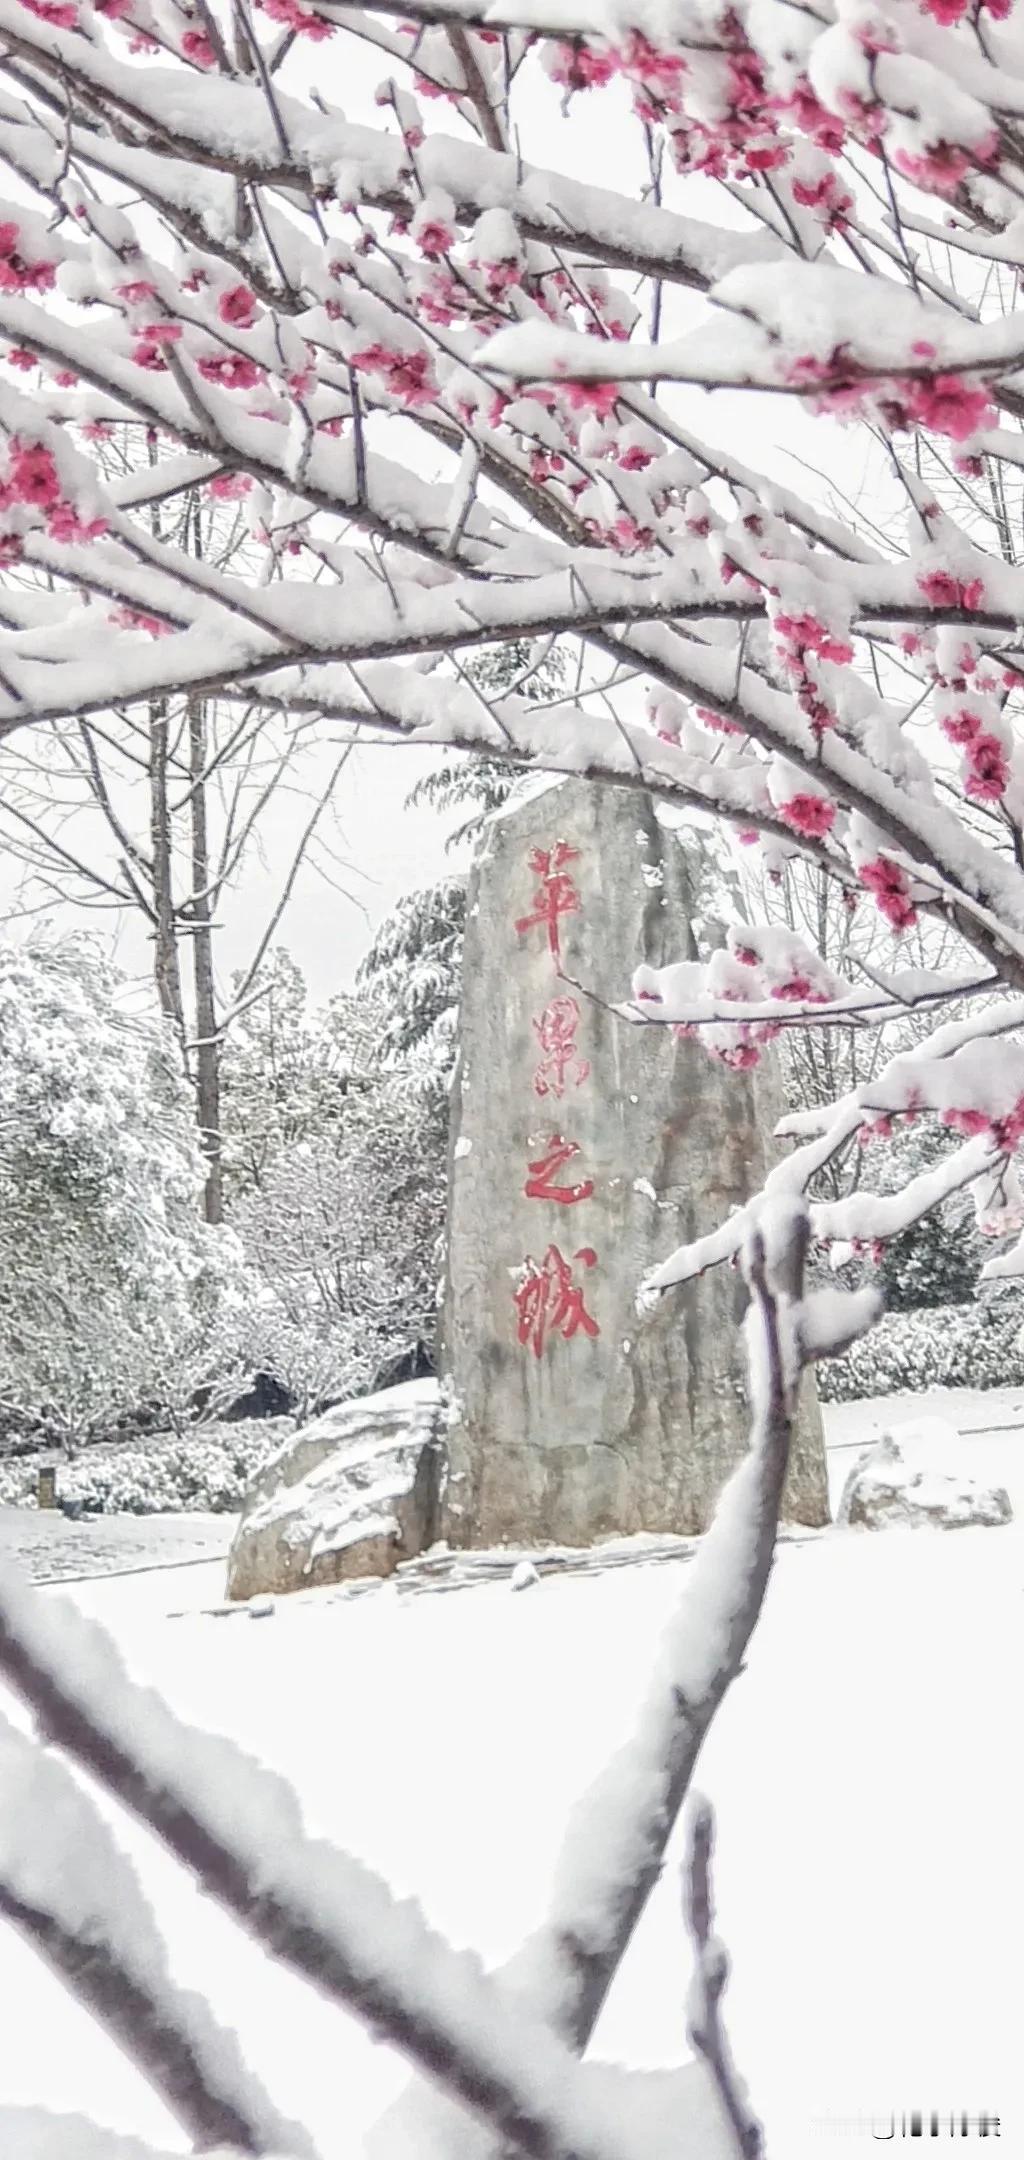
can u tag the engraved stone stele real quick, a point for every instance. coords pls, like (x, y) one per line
(584, 1150)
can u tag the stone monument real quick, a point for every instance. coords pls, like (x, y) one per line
(584, 1149)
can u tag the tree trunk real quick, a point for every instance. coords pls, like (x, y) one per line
(166, 964)
(207, 1053)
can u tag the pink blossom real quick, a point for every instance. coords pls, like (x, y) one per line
(811, 117)
(804, 633)
(580, 66)
(129, 618)
(968, 1122)
(595, 397)
(97, 430)
(941, 168)
(237, 307)
(407, 375)
(717, 721)
(298, 18)
(231, 370)
(230, 487)
(880, 1128)
(17, 275)
(1010, 1130)
(988, 769)
(136, 292)
(64, 525)
(65, 378)
(498, 277)
(827, 195)
(634, 459)
(60, 13)
(891, 888)
(20, 357)
(949, 405)
(961, 726)
(149, 355)
(434, 237)
(33, 476)
(196, 46)
(159, 333)
(946, 12)
(114, 10)
(942, 590)
(814, 815)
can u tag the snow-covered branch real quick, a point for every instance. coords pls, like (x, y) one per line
(237, 1827)
(68, 1889)
(704, 2024)
(618, 1834)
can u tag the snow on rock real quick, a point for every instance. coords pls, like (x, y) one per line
(884, 1488)
(523, 1575)
(352, 1494)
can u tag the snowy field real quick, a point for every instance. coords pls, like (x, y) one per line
(50, 1548)
(866, 1772)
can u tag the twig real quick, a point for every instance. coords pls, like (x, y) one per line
(704, 2025)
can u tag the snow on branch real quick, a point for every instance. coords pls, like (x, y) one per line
(617, 1836)
(704, 2024)
(829, 1128)
(74, 1896)
(36, 2134)
(238, 1828)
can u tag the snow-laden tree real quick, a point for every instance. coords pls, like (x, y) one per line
(159, 809)
(335, 1178)
(460, 363)
(452, 388)
(414, 964)
(111, 1285)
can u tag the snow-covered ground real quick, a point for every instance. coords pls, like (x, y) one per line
(866, 1772)
(50, 1548)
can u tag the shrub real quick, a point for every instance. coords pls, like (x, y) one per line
(976, 1346)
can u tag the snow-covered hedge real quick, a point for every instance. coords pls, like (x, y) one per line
(941, 1346)
(206, 1473)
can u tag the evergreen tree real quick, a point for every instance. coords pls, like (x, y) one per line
(414, 964)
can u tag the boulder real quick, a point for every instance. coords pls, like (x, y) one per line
(352, 1494)
(883, 1489)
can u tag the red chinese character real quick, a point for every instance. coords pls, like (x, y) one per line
(556, 1033)
(540, 1184)
(556, 894)
(548, 1301)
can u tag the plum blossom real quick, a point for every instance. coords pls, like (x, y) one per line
(196, 46)
(232, 371)
(891, 888)
(988, 769)
(17, 275)
(813, 815)
(237, 307)
(942, 590)
(33, 476)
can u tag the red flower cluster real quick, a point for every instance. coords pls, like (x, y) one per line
(406, 374)
(891, 888)
(17, 275)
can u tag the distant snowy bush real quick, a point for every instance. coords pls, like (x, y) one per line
(975, 1346)
(207, 1473)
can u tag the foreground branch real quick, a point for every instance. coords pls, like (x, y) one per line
(617, 1838)
(237, 1827)
(704, 2024)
